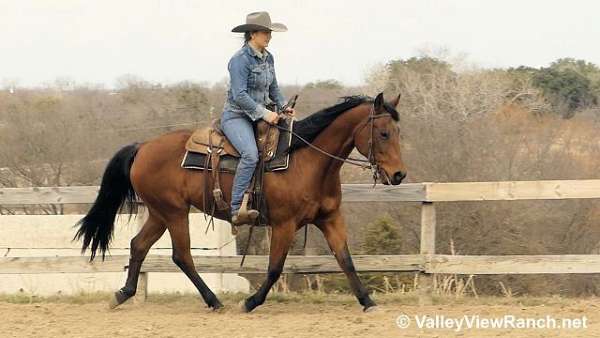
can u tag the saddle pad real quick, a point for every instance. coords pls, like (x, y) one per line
(228, 163)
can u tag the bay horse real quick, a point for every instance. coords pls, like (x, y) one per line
(309, 191)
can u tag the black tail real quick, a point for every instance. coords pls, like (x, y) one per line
(115, 191)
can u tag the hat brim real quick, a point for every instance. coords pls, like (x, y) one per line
(275, 27)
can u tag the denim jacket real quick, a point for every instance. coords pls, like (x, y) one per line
(252, 83)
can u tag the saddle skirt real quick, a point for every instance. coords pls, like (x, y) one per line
(202, 139)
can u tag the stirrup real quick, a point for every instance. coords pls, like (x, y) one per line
(244, 215)
(244, 218)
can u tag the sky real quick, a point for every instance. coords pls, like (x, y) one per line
(167, 41)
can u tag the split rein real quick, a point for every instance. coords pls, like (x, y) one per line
(372, 163)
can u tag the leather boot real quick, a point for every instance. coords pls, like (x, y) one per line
(244, 215)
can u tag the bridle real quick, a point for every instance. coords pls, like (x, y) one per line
(371, 160)
(374, 164)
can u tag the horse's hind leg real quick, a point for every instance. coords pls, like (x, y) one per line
(182, 256)
(152, 230)
(334, 229)
(281, 240)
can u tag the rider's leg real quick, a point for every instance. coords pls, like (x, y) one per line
(241, 135)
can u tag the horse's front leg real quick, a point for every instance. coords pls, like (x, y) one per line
(334, 229)
(281, 239)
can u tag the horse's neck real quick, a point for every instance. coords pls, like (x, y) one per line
(337, 139)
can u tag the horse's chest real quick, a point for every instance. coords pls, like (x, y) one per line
(313, 206)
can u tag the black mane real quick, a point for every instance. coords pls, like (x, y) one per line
(311, 126)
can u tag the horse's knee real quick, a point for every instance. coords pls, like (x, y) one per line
(348, 265)
(274, 273)
(177, 259)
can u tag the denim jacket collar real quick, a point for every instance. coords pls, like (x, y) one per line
(252, 52)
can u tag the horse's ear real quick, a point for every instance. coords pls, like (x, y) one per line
(379, 101)
(395, 101)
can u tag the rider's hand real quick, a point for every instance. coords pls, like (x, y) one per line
(271, 117)
(290, 111)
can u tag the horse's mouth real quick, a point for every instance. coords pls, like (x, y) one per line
(385, 178)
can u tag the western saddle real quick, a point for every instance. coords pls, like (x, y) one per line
(213, 144)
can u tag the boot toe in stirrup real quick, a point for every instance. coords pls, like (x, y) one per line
(244, 218)
(253, 214)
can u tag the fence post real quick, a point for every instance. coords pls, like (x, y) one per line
(427, 249)
(142, 288)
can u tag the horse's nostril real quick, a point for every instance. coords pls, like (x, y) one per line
(398, 177)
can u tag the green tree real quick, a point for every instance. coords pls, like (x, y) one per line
(324, 84)
(567, 89)
(382, 237)
(582, 67)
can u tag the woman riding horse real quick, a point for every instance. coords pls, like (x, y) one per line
(253, 88)
(307, 192)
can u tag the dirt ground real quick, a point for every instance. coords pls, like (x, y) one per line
(340, 317)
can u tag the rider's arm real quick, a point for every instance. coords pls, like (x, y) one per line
(238, 75)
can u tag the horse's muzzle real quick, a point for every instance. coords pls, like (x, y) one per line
(398, 177)
(394, 179)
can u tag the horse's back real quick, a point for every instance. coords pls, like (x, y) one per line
(157, 164)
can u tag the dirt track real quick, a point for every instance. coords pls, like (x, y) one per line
(290, 319)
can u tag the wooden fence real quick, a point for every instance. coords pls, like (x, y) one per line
(427, 262)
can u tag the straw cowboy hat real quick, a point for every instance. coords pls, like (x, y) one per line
(257, 21)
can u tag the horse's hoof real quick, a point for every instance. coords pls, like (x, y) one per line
(113, 303)
(371, 309)
(242, 306)
(117, 299)
(218, 308)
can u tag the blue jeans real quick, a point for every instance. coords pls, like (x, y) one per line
(238, 129)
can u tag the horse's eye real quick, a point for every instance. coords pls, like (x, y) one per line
(385, 135)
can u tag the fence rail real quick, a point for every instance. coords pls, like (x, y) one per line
(450, 264)
(427, 262)
(410, 192)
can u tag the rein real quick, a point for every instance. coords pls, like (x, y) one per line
(372, 162)
(349, 160)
